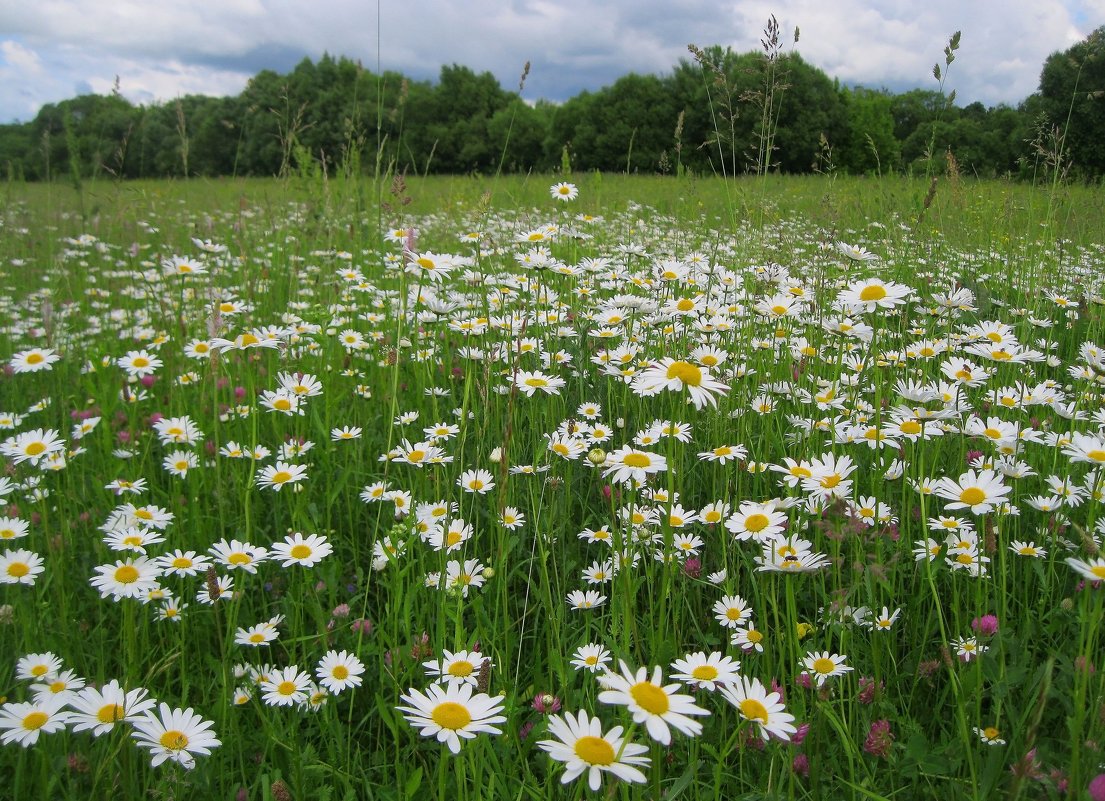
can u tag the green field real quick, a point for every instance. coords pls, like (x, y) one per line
(336, 464)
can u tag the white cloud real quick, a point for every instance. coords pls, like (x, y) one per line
(212, 46)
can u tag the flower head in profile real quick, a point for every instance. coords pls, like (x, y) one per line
(583, 748)
(175, 734)
(452, 712)
(856, 252)
(765, 709)
(23, 722)
(675, 376)
(651, 702)
(100, 710)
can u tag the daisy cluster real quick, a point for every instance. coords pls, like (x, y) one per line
(546, 419)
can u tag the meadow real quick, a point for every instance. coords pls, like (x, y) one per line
(541, 487)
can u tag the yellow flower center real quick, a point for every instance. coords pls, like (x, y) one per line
(239, 558)
(1098, 571)
(595, 751)
(536, 382)
(140, 361)
(911, 427)
(991, 732)
(872, 293)
(451, 715)
(1096, 455)
(650, 698)
(685, 372)
(828, 482)
(18, 569)
(35, 358)
(38, 671)
(35, 448)
(824, 665)
(753, 710)
(639, 460)
(685, 304)
(287, 688)
(461, 669)
(257, 637)
(300, 551)
(280, 476)
(182, 562)
(126, 574)
(249, 339)
(174, 740)
(110, 713)
(757, 522)
(754, 636)
(283, 404)
(705, 672)
(340, 672)
(475, 484)
(35, 721)
(972, 496)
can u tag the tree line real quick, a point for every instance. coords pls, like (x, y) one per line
(717, 112)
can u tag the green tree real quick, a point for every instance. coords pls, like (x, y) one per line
(1072, 95)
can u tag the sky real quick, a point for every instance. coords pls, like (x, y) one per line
(51, 50)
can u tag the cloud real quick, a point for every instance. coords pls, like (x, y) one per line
(161, 51)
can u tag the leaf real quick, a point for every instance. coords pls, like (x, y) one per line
(414, 781)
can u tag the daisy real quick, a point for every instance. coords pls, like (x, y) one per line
(731, 611)
(874, 293)
(675, 376)
(182, 563)
(724, 454)
(706, 672)
(478, 481)
(280, 475)
(23, 722)
(286, 687)
(256, 636)
(139, 363)
(748, 639)
(13, 528)
(589, 599)
(1093, 570)
(33, 445)
(592, 657)
(37, 667)
(237, 555)
(126, 579)
(822, 666)
(451, 712)
(460, 667)
(565, 192)
(175, 734)
(756, 520)
(581, 745)
(885, 619)
(990, 735)
(1027, 549)
(968, 648)
(299, 550)
(855, 252)
(979, 492)
(33, 360)
(765, 709)
(627, 465)
(99, 710)
(652, 703)
(339, 670)
(464, 576)
(20, 567)
(529, 383)
(511, 518)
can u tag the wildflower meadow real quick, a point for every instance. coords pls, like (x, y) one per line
(543, 487)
